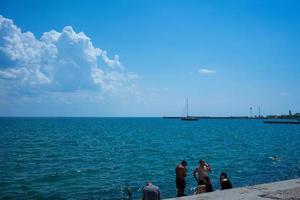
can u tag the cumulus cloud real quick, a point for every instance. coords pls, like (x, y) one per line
(64, 61)
(113, 63)
(207, 71)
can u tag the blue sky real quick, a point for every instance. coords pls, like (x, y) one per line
(143, 58)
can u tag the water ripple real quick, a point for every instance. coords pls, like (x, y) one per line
(99, 158)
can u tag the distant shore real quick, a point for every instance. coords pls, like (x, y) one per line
(205, 117)
(286, 117)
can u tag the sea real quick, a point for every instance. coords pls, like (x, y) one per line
(104, 158)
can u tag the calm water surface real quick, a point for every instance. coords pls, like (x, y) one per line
(97, 158)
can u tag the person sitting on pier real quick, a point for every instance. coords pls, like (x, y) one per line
(204, 186)
(225, 183)
(151, 192)
(201, 188)
(201, 171)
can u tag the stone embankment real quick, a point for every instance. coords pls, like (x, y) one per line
(287, 190)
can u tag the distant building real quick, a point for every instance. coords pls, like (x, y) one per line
(290, 113)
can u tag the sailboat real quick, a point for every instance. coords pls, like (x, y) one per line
(187, 117)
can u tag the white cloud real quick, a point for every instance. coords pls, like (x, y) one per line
(132, 75)
(207, 71)
(63, 61)
(113, 63)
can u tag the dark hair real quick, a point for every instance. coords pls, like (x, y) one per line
(223, 174)
(201, 161)
(184, 162)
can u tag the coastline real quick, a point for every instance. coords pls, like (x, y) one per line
(288, 190)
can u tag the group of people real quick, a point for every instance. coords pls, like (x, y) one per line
(201, 176)
(151, 192)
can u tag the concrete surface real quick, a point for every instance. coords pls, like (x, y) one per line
(287, 190)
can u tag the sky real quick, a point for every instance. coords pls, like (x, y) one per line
(144, 58)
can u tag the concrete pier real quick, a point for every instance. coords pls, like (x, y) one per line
(287, 190)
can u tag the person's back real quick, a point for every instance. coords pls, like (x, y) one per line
(151, 192)
(225, 182)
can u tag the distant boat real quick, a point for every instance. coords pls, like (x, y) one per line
(187, 117)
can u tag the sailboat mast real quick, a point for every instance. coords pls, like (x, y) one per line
(187, 106)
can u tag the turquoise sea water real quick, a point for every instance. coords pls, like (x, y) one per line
(97, 158)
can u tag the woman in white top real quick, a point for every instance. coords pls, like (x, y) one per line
(201, 172)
